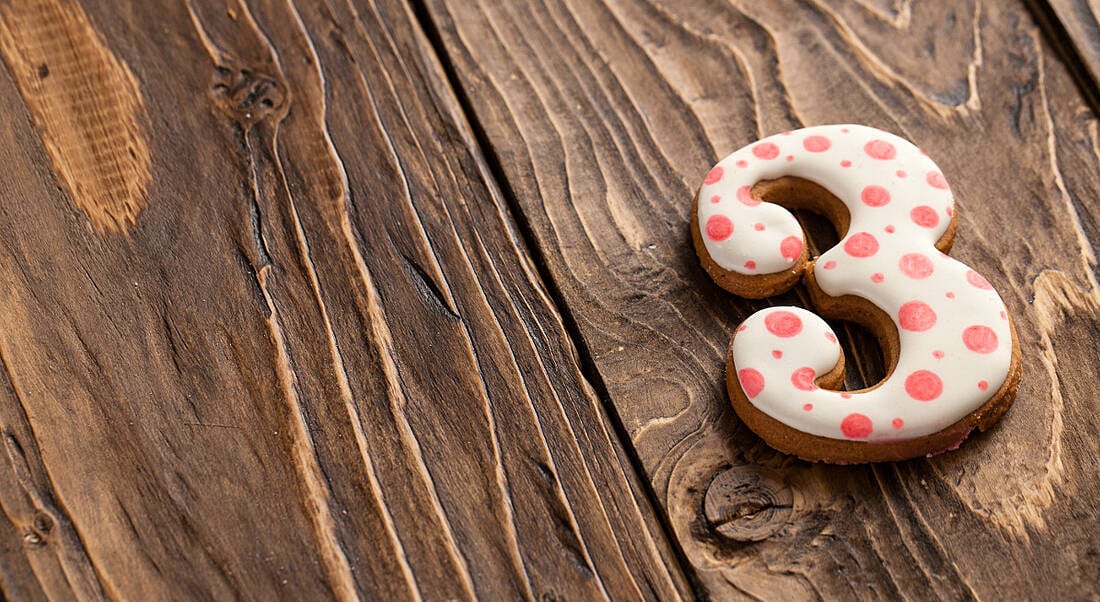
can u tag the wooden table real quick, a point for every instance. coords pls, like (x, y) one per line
(394, 300)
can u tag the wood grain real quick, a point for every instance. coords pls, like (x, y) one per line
(602, 118)
(85, 103)
(319, 364)
(1074, 27)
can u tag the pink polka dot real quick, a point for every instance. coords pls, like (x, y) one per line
(787, 133)
(829, 265)
(875, 196)
(766, 150)
(978, 281)
(777, 354)
(916, 316)
(803, 379)
(890, 229)
(750, 265)
(856, 426)
(980, 339)
(715, 199)
(949, 295)
(790, 157)
(719, 227)
(816, 144)
(935, 179)
(791, 248)
(897, 423)
(844, 130)
(758, 227)
(880, 149)
(924, 216)
(949, 211)
(845, 163)
(742, 328)
(846, 395)
(861, 244)
(752, 382)
(1004, 316)
(807, 406)
(831, 337)
(983, 385)
(713, 175)
(783, 324)
(901, 173)
(877, 277)
(742, 164)
(937, 354)
(745, 196)
(923, 385)
(915, 265)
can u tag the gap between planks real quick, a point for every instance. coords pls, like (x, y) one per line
(497, 178)
(1067, 48)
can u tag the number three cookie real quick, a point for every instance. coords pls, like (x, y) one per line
(953, 357)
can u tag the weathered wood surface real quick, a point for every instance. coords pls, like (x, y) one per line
(1074, 26)
(302, 300)
(603, 118)
(267, 330)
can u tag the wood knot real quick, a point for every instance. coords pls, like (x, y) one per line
(32, 539)
(86, 104)
(42, 523)
(38, 532)
(247, 95)
(748, 503)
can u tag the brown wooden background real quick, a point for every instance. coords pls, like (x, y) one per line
(395, 299)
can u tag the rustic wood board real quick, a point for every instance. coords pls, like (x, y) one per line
(1074, 26)
(268, 331)
(602, 118)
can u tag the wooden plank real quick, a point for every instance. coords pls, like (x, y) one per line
(1074, 27)
(604, 117)
(287, 344)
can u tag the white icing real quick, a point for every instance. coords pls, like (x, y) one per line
(958, 350)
